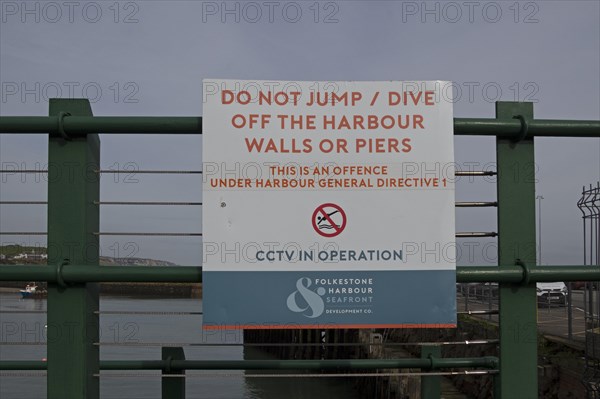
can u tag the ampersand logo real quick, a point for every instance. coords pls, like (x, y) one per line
(311, 304)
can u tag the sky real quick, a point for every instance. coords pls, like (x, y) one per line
(148, 58)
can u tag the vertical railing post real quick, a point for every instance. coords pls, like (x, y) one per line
(73, 186)
(516, 245)
(431, 386)
(569, 311)
(496, 386)
(173, 387)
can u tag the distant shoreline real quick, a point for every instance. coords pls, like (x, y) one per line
(178, 290)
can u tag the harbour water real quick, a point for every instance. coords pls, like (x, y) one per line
(130, 337)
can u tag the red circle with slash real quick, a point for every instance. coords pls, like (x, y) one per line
(322, 220)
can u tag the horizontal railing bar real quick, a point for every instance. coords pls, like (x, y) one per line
(22, 311)
(108, 274)
(155, 172)
(24, 171)
(23, 365)
(479, 312)
(457, 173)
(23, 202)
(475, 173)
(476, 234)
(23, 374)
(286, 375)
(457, 204)
(265, 375)
(147, 203)
(23, 343)
(23, 233)
(537, 127)
(101, 124)
(278, 344)
(316, 344)
(75, 125)
(115, 233)
(535, 274)
(338, 364)
(476, 204)
(193, 274)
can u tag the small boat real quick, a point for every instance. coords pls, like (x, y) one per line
(32, 291)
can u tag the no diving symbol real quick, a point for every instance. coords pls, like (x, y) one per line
(329, 220)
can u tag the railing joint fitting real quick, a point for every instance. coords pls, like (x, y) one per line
(524, 128)
(59, 277)
(526, 271)
(168, 362)
(432, 362)
(61, 125)
(494, 363)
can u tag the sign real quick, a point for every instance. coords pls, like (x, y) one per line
(323, 220)
(328, 205)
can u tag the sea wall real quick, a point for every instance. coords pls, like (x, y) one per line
(305, 343)
(560, 369)
(183, 290)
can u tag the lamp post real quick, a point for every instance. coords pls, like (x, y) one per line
(539, 198)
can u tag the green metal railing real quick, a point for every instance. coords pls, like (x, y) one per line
(83, 125)
(357, 364)
(71, 274)
(73, 365)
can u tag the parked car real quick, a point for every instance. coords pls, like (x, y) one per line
(549, 294)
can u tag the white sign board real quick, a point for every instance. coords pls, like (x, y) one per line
(328, 204)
